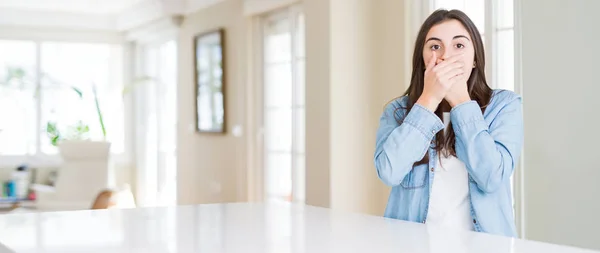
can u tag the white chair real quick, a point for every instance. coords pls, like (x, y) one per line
(85, 172)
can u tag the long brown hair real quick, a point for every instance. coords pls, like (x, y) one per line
(477, 85)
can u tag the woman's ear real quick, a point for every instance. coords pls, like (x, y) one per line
(473, 64)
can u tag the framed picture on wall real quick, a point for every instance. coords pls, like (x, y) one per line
(209, 77)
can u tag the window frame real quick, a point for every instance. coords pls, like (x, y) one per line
(39, 159)
(257, 172)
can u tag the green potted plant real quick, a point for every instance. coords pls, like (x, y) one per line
(17, 78)
(75, 140)
(79, 132)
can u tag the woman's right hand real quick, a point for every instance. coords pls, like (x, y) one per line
(439, 78)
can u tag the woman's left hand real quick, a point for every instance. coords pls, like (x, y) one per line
(458, 94)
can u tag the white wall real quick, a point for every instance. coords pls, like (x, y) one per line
(355, 64)
(318, 50)
(560, 88)
(355, 55)
(393, 48)
(211, 168)
(259, 7)
(354, 85)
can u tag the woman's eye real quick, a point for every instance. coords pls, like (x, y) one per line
(460, 45)
(435, 47)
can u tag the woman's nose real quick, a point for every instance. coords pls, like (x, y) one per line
(446, 54)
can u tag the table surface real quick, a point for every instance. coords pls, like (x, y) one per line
(242, 227)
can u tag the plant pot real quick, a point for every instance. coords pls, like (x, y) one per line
(86, 150)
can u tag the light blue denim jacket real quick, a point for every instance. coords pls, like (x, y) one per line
(489, 144)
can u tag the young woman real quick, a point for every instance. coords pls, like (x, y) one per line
(448, 147)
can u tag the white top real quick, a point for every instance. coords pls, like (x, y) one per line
(449, 204)
(241, 228)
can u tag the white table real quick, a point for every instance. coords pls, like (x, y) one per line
(241, 227)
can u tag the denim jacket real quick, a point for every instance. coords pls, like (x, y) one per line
(488, 143)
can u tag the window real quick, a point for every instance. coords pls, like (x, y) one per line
(494, 19)
(284, 110)
(505, 45)
(43, 82)
(156, 124)
(17, 97)
(82, 66)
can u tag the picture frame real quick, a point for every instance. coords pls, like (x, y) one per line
(210, 82)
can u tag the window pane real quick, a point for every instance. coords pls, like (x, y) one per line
(17, 97)
(505, 13)
(70, 66)
(299, 129)
(449, 4)
(300, 36)
(278, 41)
(168, 98)
(475, 9)
(506, 60)
(278, 128)
(279, 175)
(300, 84)
(278, 85)
(299, 178)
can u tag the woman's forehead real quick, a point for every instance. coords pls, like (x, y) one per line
(448, 30)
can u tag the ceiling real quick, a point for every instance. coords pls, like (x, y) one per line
(105, 15)
(103, 7)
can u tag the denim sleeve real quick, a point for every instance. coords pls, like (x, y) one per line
(490, 153)
(399, 146)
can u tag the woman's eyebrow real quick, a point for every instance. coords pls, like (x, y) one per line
(455, 37)
(461, 36)
(433, 38)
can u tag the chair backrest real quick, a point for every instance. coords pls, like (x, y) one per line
(115, 198)
(104, 200)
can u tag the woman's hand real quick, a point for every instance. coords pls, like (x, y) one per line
(458, 93)
(439, 79)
